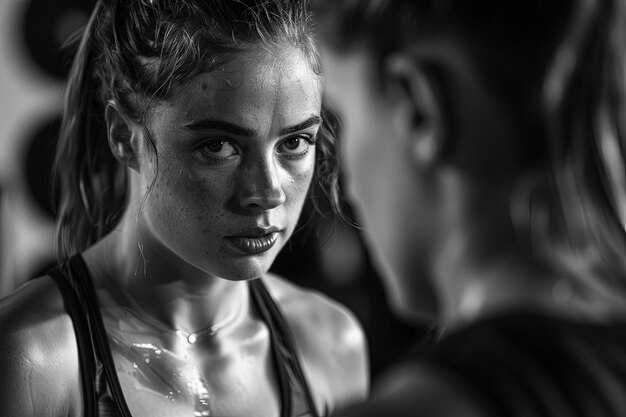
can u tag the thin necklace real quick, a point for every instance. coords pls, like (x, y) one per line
(192, 337)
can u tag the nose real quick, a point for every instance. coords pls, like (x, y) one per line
(261, 186)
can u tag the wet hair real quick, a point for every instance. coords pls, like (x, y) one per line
(135, 52)
(558, 67)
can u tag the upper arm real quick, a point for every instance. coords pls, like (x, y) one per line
(349, 356)
(38, 355)
(335, 352)
(15, 373)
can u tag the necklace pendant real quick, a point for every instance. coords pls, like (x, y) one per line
(192, 338)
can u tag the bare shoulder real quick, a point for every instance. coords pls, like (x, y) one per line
(419, 390)
(38, 355)
(312, 310)
(330, 339)
(322, 321)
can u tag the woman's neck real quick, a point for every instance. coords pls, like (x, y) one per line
(471, 292)
(147, 276)
(475, 281)
(480, 268)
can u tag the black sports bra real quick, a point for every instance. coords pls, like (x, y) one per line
(102, 391)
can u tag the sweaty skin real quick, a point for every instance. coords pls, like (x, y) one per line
(236, 152)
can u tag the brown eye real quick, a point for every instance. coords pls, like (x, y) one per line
(292, 144)
(295, 146)
(215, 146)
(220, 149)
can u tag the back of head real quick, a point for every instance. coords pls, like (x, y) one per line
(558, 68)
(135, 52)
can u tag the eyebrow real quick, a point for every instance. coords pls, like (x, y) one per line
(216, 124)
(310, 122)
(228, 127)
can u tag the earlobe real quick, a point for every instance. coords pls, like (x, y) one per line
(123, 136)
(418, 115)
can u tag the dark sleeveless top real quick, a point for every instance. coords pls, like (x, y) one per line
(535, 365)
(102, 392)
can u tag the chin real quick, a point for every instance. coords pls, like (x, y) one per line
(246, 269)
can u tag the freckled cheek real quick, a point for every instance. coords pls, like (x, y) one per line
(297, 187)
(181, 198)
(209, 202)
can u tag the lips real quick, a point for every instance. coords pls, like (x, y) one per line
(255, 242)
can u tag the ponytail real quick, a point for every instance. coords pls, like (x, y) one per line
(92, 185)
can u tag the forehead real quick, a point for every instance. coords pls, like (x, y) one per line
(251, 88)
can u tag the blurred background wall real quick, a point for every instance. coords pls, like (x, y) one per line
(323, 254)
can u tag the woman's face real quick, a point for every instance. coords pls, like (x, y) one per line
(236, 154)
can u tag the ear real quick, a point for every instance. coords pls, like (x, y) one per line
(125, 136)
(419, 107)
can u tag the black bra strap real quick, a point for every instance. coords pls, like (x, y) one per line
(87, 361)
(101, 341)
(80, 297)
(281, 332)
(278, 355)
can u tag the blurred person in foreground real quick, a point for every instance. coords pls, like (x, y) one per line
(192, 130)
(484, 147)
